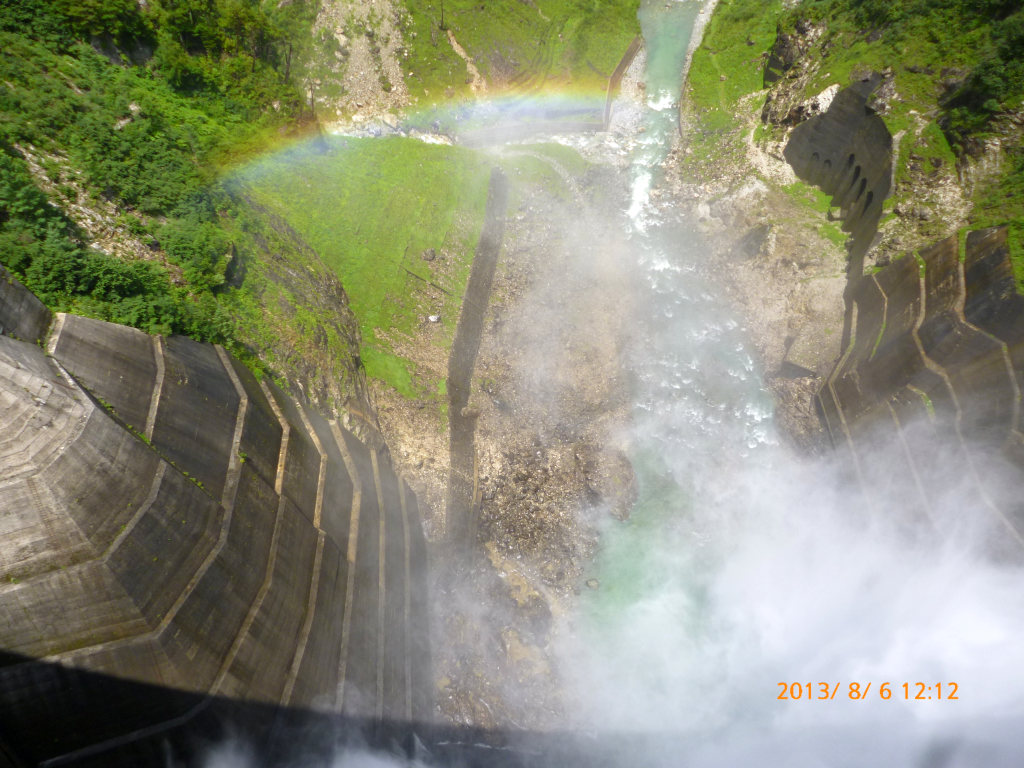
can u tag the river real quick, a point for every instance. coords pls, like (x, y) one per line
(753, 594)
(743, 567)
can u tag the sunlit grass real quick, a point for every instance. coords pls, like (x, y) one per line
(372, 207)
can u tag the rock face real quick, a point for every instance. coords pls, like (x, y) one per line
(788, 50)
(935, 363)
(169, 520)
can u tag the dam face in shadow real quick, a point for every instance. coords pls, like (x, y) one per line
(102, 720)
(197, 730)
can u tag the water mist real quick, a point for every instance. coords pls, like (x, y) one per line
(744, 566)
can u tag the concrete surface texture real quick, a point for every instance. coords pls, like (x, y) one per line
(935, 364)
(167, 519)
(22, 315)
(933, 345)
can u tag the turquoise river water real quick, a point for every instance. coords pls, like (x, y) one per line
(743, 567)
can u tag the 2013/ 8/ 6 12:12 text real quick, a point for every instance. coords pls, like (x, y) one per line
(857, 691)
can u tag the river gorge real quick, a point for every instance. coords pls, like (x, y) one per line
(692, 484)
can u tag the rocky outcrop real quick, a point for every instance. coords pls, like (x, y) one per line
(789, 49)
(170, 520)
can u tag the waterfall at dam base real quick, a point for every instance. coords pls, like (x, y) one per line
(745, 570)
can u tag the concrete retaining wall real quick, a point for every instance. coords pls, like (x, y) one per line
(22, 315)
(250, 550)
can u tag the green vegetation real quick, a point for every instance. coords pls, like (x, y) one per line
(958, 67)
(1003, 203)
(528, 44)
(985, 38)
(928, 405)
(136, 129)
(735, 42)
(958, 62)
(726, 67)
(372, 208)
(142, 121)
(808, 196)
(815, 200)
(44, 248)
(122, 122)
(236, 55)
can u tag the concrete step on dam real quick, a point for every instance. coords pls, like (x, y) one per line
(169, 520)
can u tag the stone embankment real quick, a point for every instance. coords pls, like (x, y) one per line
(170, 520)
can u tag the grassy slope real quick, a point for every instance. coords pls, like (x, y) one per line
(525, 44)
(371, 207)
(134, 137)
(125, 142)
(937, 43)
(279, 326)
(725, 50)
(710, 103)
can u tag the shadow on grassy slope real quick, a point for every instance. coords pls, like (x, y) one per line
(371, 208)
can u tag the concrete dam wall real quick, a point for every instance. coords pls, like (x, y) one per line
(168, 519)
(935, 365)
(933, 343)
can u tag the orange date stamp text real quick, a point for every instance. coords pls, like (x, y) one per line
(859, 691)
